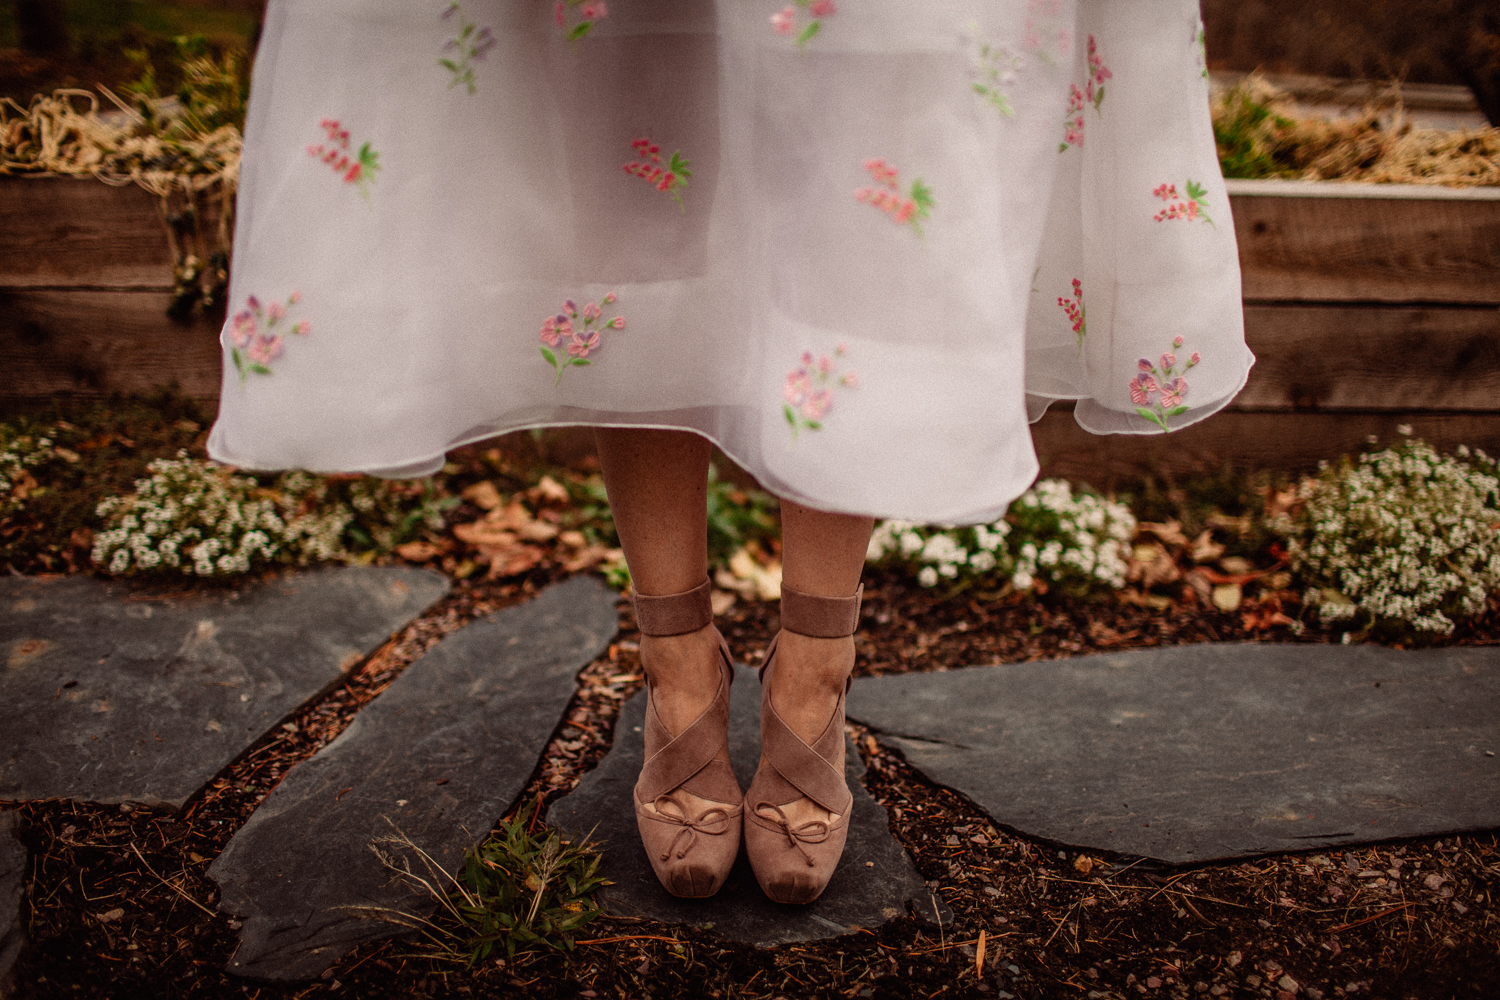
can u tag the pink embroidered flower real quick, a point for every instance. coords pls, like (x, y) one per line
(1189, 207)
(1098, 73)
(908, 210)
(807, 391)
(242, 328)
(784, 21)
(589, 12)
(253, 340)
(1167, 380)
(556, 328)
(671, 178)
(1073, 119)
(265, 349)
(1076, 313)
(582, 344)
(581, 331)
(359, 169)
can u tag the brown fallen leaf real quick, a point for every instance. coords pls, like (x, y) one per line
(549, 490)
(1169, 531)
(1083, 864)
(538, 531)
(418, 551)
(485, 533)
(483, 495)
(512, 561)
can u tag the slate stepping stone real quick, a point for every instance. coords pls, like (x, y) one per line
(440, 755)
(12, 892)
(1194, 753)
(110, 695)
(874, 883)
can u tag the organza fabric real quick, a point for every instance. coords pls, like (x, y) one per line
(852, 242)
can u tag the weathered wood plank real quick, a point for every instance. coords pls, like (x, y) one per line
(1372, 358)
(1286, 441)
(1368, 249)
(66, 231)
(92, 344)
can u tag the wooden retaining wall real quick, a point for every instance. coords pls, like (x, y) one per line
(1368, 307)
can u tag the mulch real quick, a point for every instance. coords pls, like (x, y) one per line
(120, 905)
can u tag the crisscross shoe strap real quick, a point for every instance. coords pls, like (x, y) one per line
(688, 760)
(811, 770)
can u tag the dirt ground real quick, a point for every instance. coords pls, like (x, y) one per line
(120, 906)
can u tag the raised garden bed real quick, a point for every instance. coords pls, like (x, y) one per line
(1369, 306)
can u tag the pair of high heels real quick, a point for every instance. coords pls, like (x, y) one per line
(693, 842)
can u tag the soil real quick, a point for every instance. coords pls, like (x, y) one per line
(119, 906)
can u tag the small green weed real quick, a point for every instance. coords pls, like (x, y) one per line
(518, 891)
(737, 516)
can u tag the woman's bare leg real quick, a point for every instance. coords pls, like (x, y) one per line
(658, 491)
(823, 554)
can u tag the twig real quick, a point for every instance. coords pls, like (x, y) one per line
(1365, 920)
(630, 937)
(169, 885)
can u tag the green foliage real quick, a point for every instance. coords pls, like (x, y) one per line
(1400, 541)
(1251, 135)
(518, 891)
(737, 516)
(214, 92)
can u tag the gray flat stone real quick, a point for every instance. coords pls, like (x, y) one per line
(107, 696)
(874, 883)
(440, 754)
(1192, 753)
(12, 893)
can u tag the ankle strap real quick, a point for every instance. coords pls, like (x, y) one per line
(674, 614)
(820, 617)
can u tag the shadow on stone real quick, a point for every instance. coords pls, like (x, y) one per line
(1193, 753)
(875, 882)
(439, 755)
(12, 893)
(111, 696)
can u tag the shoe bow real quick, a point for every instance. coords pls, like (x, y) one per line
(812, 832)
(713, 822)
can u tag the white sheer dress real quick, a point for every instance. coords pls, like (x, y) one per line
(854, 242)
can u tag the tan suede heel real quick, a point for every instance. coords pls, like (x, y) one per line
(794, 863)
(690, 853)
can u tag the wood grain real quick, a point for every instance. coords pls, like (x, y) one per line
(66, 231)
(93, 344)
(1368, 249)
(1372, 358)
(1286, 441)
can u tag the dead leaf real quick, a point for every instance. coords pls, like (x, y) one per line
(1200, 584)
(1239, 525)
(110, 915)
(1151, 564)
(766, 579)
(721, 601)
(1169, 532)
(1083, 864)
(418, 551)
(586, 558)
(483, 495)
(1205, 549)
(549, 490)
(1227, 597)
(538, 531)
(485, 533)
(573, 539)
(1235, 565)
(512, 561)
(513, 516)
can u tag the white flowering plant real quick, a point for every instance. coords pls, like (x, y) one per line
(19, 453)
(1050, 539)
(202, 519)
(1400, 541)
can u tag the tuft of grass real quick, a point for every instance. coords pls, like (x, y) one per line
(737, 516)
(521, 890)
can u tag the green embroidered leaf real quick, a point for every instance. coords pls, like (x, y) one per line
(239, 362)
(1177, 411)
(1196, 191)
(449, 65)
(580, 30)
(1098, 97)
(260, 369)
(813, 425)
(678, 165)
(580, 361)
(1062, 147)
(791, 416)
(809, 32)
(1152, 416)
(551, 358)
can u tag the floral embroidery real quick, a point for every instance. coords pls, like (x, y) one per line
(1073, 120)
(808, 390)
(1044, 26)
(1078, 98)
(253, 337)
(1164, 379)
(909, 209)
(581, 331)
(359, 170)
(471, 45)
(784, 21)
(1077, 314)
(996, 68)
(1200, 41)
(586, 11)
(671, 178)
(1189, 208)
(1098, 73)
